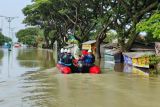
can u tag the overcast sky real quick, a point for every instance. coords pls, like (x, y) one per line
(12, 8)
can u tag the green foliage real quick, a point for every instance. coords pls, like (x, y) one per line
(151, 25)
(4, 39)
(111, 35)
(88, 17)
(30, 36)
(154, 60)
(72, 41)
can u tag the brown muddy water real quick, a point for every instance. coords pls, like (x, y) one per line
(28, 79)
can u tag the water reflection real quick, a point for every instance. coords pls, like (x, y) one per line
(15, 65)
(27, 86)
(35, 57)
(1, 55)
(83, 90)
(22, 60)
(110, 66)
(18, 61)
(125, 68)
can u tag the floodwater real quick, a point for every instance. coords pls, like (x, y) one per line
(28, 79)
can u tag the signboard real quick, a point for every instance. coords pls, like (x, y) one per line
(86, 46)
(141, 62)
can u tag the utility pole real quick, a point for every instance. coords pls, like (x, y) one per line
(12, 33)
(9, 20)
(1, 29)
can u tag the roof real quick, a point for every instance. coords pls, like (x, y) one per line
(110, 45)
(90, 42)
(140, 46)
(112, 52)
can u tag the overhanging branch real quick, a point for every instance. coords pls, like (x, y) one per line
(148, 8)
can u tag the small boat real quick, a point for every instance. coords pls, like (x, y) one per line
(94, 70)
(67, 70)
(64, 69)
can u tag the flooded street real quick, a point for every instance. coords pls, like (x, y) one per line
(28, 79)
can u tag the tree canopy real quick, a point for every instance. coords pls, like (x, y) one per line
(30, 36)
(4, 39)
(151, 25)
(86, 19)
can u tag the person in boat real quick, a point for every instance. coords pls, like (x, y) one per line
(80, 64)
(83, 56)
(68, 57)
(91, 57)
(68, 60)
(61, 61)
(88, 60)
(80, 61)
(64, 56)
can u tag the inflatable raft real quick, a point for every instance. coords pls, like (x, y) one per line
(67, 70)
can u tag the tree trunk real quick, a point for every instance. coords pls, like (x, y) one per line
(52, 43)
(122, 45)
(132, 38)
(46, 38)
(101, 36)
(121, 39)
(131, 41)
(98, 53)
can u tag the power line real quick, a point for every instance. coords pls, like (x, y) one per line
(9, 20)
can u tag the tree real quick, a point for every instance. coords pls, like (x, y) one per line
(151, 26)
(128, 13)
(4, 39)
(29, 36)
(86, 17)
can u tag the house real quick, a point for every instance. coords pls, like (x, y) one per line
(89, 45)
(137, 59)
(110, 53)
(142, 47)
(113, 55)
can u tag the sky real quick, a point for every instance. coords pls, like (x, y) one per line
(12, 8)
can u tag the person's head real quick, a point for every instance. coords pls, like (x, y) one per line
(69, 51)
(89, 51)
(65, 51)
(62, 50)
(84, 52)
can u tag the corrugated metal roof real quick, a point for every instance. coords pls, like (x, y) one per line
(90, 42)
(112, 52)
(111, 45)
